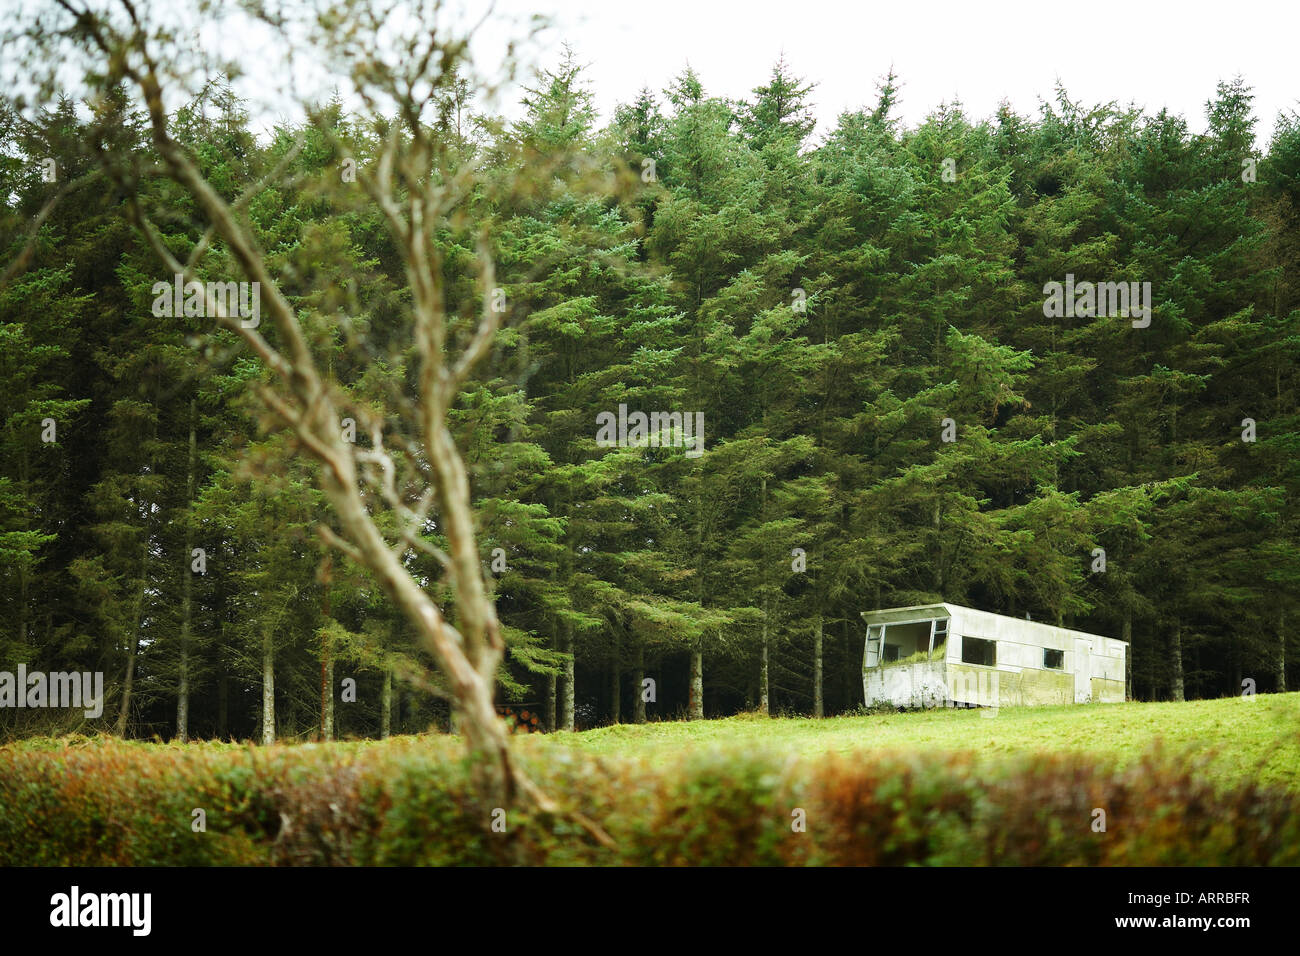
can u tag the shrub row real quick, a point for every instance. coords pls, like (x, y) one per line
(409, 802)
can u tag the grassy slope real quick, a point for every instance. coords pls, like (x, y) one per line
(1236, 738)
(1239, 738)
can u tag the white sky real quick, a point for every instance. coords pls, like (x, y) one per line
(1151, 53)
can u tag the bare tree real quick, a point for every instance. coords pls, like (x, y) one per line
(411, 476)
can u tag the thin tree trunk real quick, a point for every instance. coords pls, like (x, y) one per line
(936, 521)
(183, 678)
(1281, 651)
(268, 686)
(22, 568)
(1176, 653)
(695, 705)
(22, 607)
(614, 687)
(1233, 659)
(1126, 632)
(223, 707)
(223, 681)
(327, 714)
(764, 688)
(551, 689)
(854, 648)
(695, 697)
(187, 582)
(326, 662)
(819, 709)
(566, 639)
(128, 682)
(638, 687)
(386, 705)
(124, 707)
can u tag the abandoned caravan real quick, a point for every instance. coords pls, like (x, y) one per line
(934, 655)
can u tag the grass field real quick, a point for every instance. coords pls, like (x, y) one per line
(1236, 738)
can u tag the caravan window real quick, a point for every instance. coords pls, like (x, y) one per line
(940, 639)
(907, 641)
(874, 633)
(975, 650)
(1053, 659)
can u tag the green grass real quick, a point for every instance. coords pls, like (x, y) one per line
(1236, 738)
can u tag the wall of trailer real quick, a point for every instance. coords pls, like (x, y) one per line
(989, 660)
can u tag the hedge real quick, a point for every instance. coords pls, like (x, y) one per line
(409, 802)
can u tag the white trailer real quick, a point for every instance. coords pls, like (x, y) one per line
(932, 655)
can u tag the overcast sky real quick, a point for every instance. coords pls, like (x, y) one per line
(1152, 53)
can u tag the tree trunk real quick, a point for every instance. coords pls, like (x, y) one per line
(22, 607)
(327, 687)
(489, 747)
(1176, 654)
(223, 707)
(937, 522)
(124, 708)
(638, 687)
(566, 645)
(386, 705)
(764, 688)
(695, 704)
(183, 677)
(22, 568)
(128, 682)
(819, 709)
(268, 687)
(1234, 664)
(187, 582)
(1281, 651)
(614, 687)
(1126, 633)
(854, 647)
(470, 653)
(326, 661)
(551, 681)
